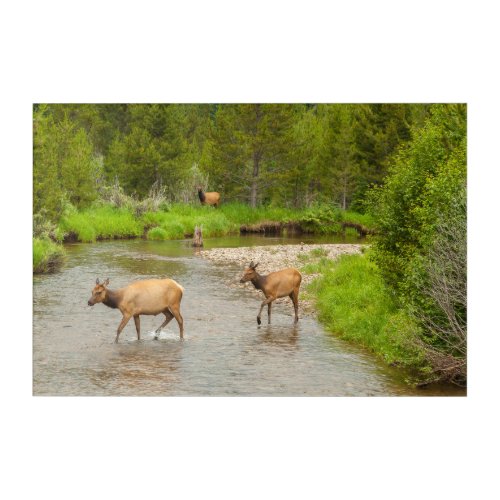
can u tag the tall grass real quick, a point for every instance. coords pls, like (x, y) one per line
(47, 256)
(181, 219)
(354, 303)
(104, 222)
(178, 221)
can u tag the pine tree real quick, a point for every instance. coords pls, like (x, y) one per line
(64, 166)
(249, 144)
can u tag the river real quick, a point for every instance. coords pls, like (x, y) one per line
(224, 351)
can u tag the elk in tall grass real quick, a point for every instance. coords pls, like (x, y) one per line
(284, 283)
(212, 199)
(147, 297)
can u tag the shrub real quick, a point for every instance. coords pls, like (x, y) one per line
(43, 228)
(421, 247)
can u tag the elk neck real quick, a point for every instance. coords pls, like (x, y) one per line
(201, 194)
(112, 298)
(259, 281)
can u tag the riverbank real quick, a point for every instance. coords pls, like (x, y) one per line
(48, 256)
(105, 221)
(342, 287)
(179, 221)
(275, 257)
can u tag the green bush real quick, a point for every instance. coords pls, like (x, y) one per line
(423, 182)
(421, 214)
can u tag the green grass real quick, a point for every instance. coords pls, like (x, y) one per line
(354, 303)
(47, 256)
(179, 221)
(103, 222)
(366, 220)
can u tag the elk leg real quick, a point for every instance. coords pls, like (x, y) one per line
(267, 301)
(169, 317)
(269, 312)
(138, 326)
(175, 310)
(121, 326)
(295, 299)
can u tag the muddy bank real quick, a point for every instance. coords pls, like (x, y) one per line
(276, 257)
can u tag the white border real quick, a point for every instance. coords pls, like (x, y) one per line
(359, 51)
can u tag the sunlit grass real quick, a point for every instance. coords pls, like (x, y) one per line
(102, 222)
(47, 256)
(354, 303)
(180, 220)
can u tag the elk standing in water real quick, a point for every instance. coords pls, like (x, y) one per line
(275, 285)
(212, 199)
(149, 297)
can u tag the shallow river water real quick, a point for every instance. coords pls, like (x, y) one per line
(224, 351)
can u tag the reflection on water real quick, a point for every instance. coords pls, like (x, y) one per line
(284, 336)
(224, 351)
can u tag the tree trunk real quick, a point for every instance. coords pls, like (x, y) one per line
(344, 197)
(344, 192)
(198, 238)
(255, 179)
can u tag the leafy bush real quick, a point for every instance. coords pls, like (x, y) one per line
(421, 248)
(321, 219)
(43, 228)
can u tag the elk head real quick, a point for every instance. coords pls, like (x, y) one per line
(98, 293)
(249, 273)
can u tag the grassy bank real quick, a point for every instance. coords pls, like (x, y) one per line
(179, 221)
(47, 256)
(99, 223)
(354, 303)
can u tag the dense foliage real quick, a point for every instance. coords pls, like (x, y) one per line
(290, 155)
(421, 213)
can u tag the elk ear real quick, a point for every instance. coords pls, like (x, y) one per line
(255, 265)
(250, 265)
(97, 281)
(106, 282)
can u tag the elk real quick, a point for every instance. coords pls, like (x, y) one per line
(275, 285)
(148, 297)
(212, 199)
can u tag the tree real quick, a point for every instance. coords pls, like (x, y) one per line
(379, 129)
(64, 166)
(151, 151)
(248, 147)
(339, 171)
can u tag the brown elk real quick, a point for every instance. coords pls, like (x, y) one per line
(284, 283)
(212, 199)
(148, 297)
